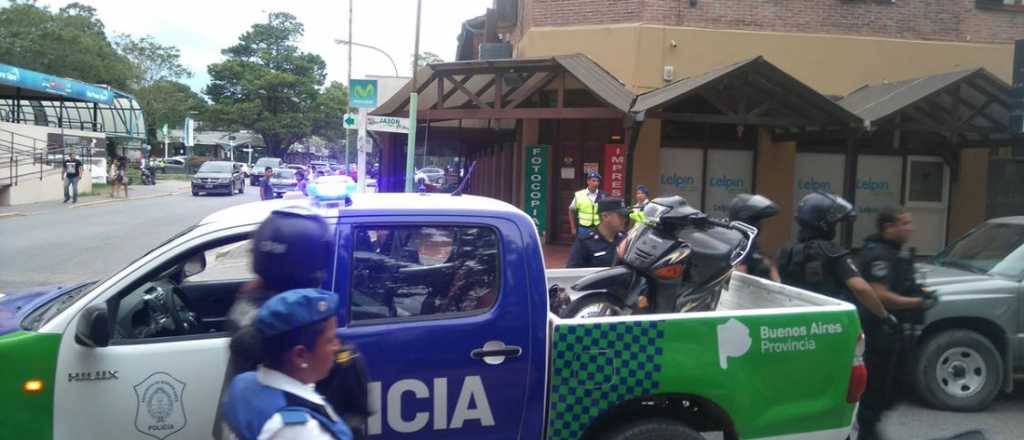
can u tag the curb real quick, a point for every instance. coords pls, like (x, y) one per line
(11, 214)
(104, 202)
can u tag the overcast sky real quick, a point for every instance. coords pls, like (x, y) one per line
(202, 28)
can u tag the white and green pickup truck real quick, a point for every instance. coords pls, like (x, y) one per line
(141, 354)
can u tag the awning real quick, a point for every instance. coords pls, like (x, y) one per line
(561, 87)
(749, 92)
(970, 103)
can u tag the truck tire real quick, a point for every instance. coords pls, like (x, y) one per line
(585, 306)
(958, 370)
(655, 429)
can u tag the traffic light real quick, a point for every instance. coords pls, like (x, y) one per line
(1017, 91)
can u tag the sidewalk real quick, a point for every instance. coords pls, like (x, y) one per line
(161, 189)
(555, 255)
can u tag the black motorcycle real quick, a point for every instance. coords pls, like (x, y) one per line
(147, 176)
(678, 261)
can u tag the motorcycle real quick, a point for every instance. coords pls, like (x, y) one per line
(678, 261)
(147, 176)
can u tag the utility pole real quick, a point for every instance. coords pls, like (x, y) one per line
(410, 152)
(348, 137)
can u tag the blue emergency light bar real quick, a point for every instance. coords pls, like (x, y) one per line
(332, 189)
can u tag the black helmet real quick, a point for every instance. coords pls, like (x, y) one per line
(820, 212)
(751, 208)
(291, 249)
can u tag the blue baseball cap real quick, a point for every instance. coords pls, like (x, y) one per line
(593, 175)
(295, 309)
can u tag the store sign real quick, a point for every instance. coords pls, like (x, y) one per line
(536, 181)
(730, 173)
(364, 93)
(388, 124)
(41, 82)
(681, 173)
(878, 185)
(614, 182)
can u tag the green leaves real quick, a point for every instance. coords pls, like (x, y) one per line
(268, 85)
(152, 61)
(167, 102)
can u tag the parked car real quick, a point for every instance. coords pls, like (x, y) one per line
(433, 175)
(172, 165)
(320, 165)
(218, 176)
(245, 169)
(284, 180)
(972, 342)
(262, 164)
(297, 167)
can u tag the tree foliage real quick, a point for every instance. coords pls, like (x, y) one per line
(428, 58)
(167, 102)
(152, 61)
(70, 42)
(266, 84)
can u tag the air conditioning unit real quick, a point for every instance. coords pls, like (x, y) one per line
(495, 51)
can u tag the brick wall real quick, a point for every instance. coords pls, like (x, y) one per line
(945, 20)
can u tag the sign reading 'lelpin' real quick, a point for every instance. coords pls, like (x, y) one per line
(536, 180)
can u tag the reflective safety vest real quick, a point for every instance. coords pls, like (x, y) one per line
(637, 215)
(586, 210)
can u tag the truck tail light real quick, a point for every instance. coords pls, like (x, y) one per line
(669, 272)
(33, 386)
(858, 373)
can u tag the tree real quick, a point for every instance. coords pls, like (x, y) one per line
(268, 85)
(153, 61)
(167, 102)
(428, 58)
(71, 42)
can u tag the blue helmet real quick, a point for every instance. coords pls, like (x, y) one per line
(593, 175)
(292, 249)
(819, 212)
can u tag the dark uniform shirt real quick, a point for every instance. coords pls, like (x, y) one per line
(821, 267)
(884, 262)
(593, 250)
(754, 260)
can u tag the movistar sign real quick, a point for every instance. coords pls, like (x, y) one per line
(362, 93)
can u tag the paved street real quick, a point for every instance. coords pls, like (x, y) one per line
(53, 243)
(1003, 421)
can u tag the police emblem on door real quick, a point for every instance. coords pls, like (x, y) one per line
(161, 410)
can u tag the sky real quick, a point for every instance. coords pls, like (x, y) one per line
(202, 28)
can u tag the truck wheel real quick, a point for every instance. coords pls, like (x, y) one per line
(595, 305)
(656, 429)
(958, 370)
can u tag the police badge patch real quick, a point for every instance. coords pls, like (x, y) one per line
(880, 269)
(161, 411)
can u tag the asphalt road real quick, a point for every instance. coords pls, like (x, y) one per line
(67, 244)
(64, 244)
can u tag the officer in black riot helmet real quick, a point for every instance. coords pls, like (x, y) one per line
(817, 264)
(751, 209)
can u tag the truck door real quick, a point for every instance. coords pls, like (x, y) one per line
(161, 375)
(439, 309)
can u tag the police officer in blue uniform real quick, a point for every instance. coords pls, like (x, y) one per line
(299, 345)
(890, 271)
(598, 247)
(817, 264)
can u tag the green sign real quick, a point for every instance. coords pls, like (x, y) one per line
(164, 131)
(364, 93)
(349, 121)
(536, 181)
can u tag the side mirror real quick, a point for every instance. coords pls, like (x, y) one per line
(94, 327)
(194, 265)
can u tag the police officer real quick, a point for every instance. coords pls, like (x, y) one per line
(291, 249)
(636, 212)
(598, 247)
(751, 209)
(890, 272)
(297, 336)
(583, 215)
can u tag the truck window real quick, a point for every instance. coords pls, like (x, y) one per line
(408, 272)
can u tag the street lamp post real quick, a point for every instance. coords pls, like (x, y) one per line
(367, 46)
(410, 152)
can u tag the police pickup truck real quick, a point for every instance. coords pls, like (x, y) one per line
(447, 299)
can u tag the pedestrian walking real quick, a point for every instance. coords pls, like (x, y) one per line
(598, 247)
(583, 208)
(890, 272)
(266, 190)
(117, 177)
(72, 174)
(299, 344)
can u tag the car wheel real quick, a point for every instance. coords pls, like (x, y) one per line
(958, 370)
(195, 193)
(655, 429)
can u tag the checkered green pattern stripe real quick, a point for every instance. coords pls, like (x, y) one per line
(597, 365)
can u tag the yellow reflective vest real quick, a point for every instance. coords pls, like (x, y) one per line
(586, 210)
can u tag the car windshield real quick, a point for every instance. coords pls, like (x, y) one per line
(284, 174)
(995, 248)
(46, 312)
(215, 167)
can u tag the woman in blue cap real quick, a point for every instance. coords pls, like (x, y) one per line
(278, 400)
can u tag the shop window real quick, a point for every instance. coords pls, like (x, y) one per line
(1006, 5)
(926, 180)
